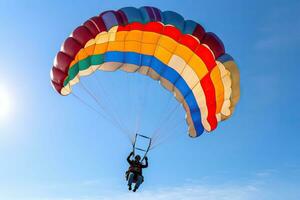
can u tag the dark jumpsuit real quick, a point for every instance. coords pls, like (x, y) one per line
(135, 173)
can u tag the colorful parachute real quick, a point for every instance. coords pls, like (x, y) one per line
(186, 60)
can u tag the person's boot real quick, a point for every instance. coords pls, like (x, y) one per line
(134, 189)
(129, 187)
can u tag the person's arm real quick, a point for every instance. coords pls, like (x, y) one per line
(145, 165)
(128, 158)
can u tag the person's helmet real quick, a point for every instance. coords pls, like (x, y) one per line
(137, 157)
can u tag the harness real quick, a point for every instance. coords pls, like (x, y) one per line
(136, 170)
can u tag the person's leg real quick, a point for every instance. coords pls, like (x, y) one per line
(138, 183)
(130, 179)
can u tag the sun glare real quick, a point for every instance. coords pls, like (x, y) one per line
(5, 103)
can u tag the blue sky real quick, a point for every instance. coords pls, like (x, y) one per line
(54, 148)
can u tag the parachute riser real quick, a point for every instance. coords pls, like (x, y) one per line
(136, 148)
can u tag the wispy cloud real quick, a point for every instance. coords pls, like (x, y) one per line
(266, 173)
(195, 192)
(260, 186)
(187, 192)
(264, 184)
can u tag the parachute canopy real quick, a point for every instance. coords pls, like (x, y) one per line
(179, 53)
